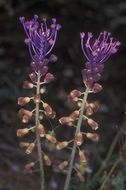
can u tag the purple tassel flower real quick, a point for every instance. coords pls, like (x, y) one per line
(96, 52)
(40, 41)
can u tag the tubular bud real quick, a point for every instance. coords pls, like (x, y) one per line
(49, 77)
(79, 139)
(43, 90)
(27, 85)
(48, 162)
(75, 93)
(25, 119)
(23, 112)
(64, 120)
(89, 110)
(62, 145)
(29, 166)
(23, 100)
(37, 99)
(41, 130)
(82, 157)
(22, 132)
(52, 115)
(24, 144)
(62, 165)
(92, 136)
(30, 148)
(93, 124)
(47, 108)
(96, 88)
(33, 77)
(74, 115)
(51, 138)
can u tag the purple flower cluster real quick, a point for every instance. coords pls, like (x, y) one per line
(96, 52)
(40, 41)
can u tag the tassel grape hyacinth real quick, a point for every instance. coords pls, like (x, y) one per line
(40, 41)
(96, 53)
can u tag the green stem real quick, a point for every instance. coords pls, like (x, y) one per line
(110, 173)
(38, 136)
(67, 181)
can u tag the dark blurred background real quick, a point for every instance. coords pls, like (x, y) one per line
(74, 16)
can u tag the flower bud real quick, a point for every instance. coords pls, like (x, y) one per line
(24, 144)
(29, 165)
(23, 100)
(92, 136)
(79, 138)
(64, 120)
(96, 88)
(27, 85)
(62, 165)
(48, 162)
(25, 119)
(33, 77)
(41, 130)
(48, 78)
(52, 115)
(89, 110)
(23, 112)
(82, 157)
(30, 148)
(74, 115)
(75, 93)
(37, 99)
(62, 145)
(22, 132)
(51, 138)
(93, 124)
(94, 106)
(47, 108)
(43, 90)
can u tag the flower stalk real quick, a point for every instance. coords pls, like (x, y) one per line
(67, 181)
(38, 135)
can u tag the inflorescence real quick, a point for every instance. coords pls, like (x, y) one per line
(40, 41)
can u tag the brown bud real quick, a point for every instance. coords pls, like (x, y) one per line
(30, 148)
(27, 85)
(48, 78)
(62, 165)
(43, 90)
(24, 144)
(25, 112)
(51, 138)
(47, 108)
(33, 77)
(25, 119)
(22, 132)
(62, 145)
(93, 124)
(80, 176)
(64, 120)
(97, 88)
(92, 136)
(52, 115)
(82, 157)
(29, 165)
(75, 93)
(94, 106)
(41, 130)
(79, 138)
(74, 115)
(37, 99)
(48, 162)
(89, 110)
(23, 100)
